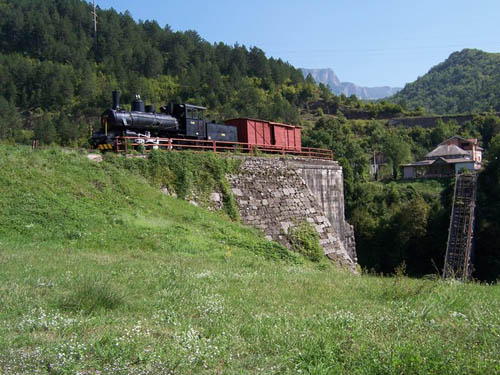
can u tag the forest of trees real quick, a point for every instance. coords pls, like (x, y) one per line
(468, 81)
(487, 250)
(60, 77)
(396, 221)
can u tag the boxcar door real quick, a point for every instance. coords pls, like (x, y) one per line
(280, 136)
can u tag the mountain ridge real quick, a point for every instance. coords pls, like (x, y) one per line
(328, 77)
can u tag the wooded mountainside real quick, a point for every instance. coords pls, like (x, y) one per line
(468, 81)
(51, 65)
(55, 72)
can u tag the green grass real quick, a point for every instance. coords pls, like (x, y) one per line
(89, 295)
(102, 273)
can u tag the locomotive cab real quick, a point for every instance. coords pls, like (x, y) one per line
(191, 119)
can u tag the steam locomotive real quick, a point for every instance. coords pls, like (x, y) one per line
(173, 121)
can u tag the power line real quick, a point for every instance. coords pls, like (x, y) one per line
(387, 49)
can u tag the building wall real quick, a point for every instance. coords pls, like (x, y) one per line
(470, 166)
(470, 147)
(408, 172)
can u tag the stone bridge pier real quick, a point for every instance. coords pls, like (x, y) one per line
(274, 194)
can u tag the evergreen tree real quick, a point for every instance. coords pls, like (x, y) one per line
(10, 120)
(45, 130)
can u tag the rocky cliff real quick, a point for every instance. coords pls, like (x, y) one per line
(330, 79)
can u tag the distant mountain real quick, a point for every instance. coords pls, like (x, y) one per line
(467, 81)
(330, 79)
(325, 76)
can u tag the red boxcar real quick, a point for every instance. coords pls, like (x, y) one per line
(252, 131)
(265, 133)
(287, 136)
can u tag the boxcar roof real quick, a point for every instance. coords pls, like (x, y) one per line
(270, 122)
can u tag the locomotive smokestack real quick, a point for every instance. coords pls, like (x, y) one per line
(116, 99)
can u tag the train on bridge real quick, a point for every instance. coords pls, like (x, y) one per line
(181, 126)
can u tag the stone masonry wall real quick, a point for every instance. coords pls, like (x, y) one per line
(326, 181)
(273, 196)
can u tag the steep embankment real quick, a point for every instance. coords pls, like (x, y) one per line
(102, 273)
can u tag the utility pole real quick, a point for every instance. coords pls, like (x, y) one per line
(94, 16)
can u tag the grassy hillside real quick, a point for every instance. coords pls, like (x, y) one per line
(467, 81)
(101, 273)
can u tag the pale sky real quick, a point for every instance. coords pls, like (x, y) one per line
(370, 43)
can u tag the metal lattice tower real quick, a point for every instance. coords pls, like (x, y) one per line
(457, 262)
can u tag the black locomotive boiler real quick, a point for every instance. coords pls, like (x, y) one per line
(173, 121)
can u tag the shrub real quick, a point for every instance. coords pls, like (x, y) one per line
(305, 240)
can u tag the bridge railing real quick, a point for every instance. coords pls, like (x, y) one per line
(127, 144)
